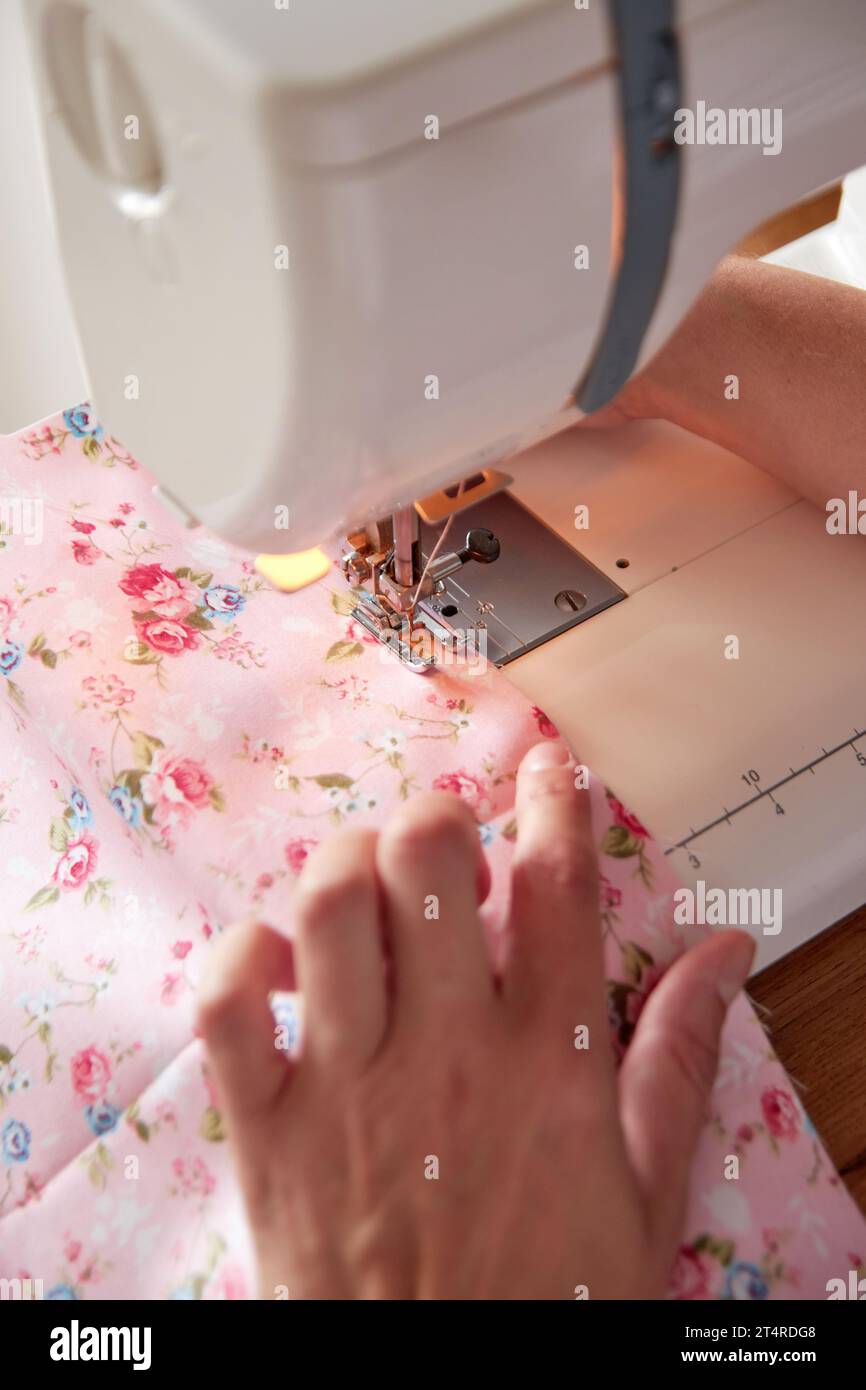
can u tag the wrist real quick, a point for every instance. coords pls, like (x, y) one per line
(640, 399)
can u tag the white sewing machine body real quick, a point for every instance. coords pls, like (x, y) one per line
(252, 212)
(358, 228)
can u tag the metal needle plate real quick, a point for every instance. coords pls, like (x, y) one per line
(538, 588)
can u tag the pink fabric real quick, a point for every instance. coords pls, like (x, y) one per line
(177, 736)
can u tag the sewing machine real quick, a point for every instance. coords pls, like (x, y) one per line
(356, 269)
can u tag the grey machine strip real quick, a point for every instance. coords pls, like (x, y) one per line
(650, 94)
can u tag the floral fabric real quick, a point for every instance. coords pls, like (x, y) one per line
(176, 737)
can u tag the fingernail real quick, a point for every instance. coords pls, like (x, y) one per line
(545, 755)
(735, 971)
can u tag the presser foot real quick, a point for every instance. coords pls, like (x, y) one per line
(427, 642)
(396, 639)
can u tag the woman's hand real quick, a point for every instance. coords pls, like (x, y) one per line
(442, 1135)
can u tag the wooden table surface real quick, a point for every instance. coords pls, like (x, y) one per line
(815, 1000)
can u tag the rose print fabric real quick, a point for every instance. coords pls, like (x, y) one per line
(176, 737)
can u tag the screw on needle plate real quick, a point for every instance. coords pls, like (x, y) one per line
(570, 601)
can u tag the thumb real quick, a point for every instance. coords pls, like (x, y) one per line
(670, 1068)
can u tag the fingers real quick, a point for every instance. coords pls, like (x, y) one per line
(670, 1068)
(554, 967)
(434, 872)
(235, 1019)
(428, 864)
(338, 951)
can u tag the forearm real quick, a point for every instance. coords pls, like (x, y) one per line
(796, 344)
